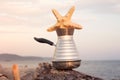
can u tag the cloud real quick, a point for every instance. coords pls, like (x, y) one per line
(37, 13)
(100, 6)
(28, 12)
(19, 8)
(31, 8)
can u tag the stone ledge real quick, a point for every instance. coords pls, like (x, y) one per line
(45, 71)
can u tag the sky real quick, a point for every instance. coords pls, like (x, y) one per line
(21, 20)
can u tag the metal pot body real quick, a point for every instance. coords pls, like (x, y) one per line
(65, 49)
(66, 55)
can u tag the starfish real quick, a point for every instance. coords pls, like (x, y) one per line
(64, 22)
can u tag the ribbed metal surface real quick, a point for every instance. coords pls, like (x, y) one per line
(65, 49)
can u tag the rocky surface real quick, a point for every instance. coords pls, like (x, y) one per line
(46, 71)
(3, 77)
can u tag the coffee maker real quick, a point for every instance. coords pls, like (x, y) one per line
(65, 56)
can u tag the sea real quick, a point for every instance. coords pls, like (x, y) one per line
(105, 69)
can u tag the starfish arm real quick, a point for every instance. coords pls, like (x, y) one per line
(53, 28)
(57, 15)
(70, 12)
(76, 26)
(73, 25)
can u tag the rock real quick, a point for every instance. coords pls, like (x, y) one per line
(46, 71)
(1, 68)
(8, 73)
(28, 76)
(5, 73)
(3, 77)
